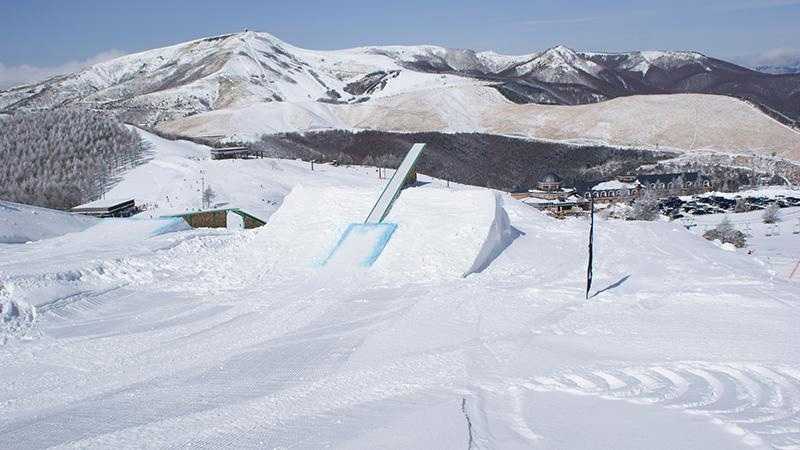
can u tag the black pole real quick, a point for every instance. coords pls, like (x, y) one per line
(591, 238)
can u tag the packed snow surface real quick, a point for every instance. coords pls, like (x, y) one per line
(470, 228)
(23, 223)
(230, 338)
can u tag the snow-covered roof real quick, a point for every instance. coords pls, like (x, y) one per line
(615, 184)
(543, 201)
(104, 203)
(553, 191)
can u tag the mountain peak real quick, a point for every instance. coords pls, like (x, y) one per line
(561, 50)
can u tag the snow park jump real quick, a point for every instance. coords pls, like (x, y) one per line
(362, 243)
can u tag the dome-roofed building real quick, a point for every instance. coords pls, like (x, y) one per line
(550, 183)
(551, 197)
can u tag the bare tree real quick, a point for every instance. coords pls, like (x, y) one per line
(64, 157)
(208, 196)
(343, 158)
(771, 214)
(645, 207)
(725, 232)
(741, 205)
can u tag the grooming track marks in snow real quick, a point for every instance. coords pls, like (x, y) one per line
(231, 338)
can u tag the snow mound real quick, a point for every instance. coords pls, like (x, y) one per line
(23, 223)
(120, 230)
(16, 317)
(440, 233)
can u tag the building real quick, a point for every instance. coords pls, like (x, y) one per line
(551, 197)
(107, 208)
(220, 218)
(675, 184)
(235, 153)
(623, 189)
(626, 188)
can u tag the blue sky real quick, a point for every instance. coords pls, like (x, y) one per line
(46, 35)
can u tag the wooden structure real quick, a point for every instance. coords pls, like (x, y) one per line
(218, 218)
(107, 208)
(235, 153)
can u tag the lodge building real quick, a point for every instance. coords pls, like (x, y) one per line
(626, 188)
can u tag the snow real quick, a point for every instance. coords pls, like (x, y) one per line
(559, 65)
(775, 246)
(22, 223)
(230, 338)
(104, 203)
(244, 85)
(770, 192)
(171, 181)
(615, 184)
(311, 221)
(668, 122)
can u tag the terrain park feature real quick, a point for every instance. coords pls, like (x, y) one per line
(362, 243)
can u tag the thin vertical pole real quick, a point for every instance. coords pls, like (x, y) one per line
(791, 275)
(591, 250)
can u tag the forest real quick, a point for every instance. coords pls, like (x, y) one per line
(62, 158)
(499, 162)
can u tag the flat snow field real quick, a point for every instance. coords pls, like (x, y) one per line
(148, 336)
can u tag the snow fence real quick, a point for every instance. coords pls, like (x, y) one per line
(440, 232)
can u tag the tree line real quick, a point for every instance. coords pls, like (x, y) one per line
(64, 157)
(493, 161)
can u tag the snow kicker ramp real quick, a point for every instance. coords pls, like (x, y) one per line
(440, 232)
(362, 243)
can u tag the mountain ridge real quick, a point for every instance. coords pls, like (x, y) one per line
(298, 88)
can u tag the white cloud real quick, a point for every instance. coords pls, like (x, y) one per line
(772, 57)
(11, 76)
(558, 21)
(745, 5)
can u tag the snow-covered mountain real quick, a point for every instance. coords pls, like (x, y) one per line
(242, 85)
(229, 71)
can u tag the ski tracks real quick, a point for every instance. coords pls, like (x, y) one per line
(760, 403)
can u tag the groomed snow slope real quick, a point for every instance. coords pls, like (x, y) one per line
(194, 339)
(682, 121)
(23, 223)
(171, 181)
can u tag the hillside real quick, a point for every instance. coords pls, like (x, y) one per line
(680, 122)
(134, 335)
(63, 157)
(242, 85)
